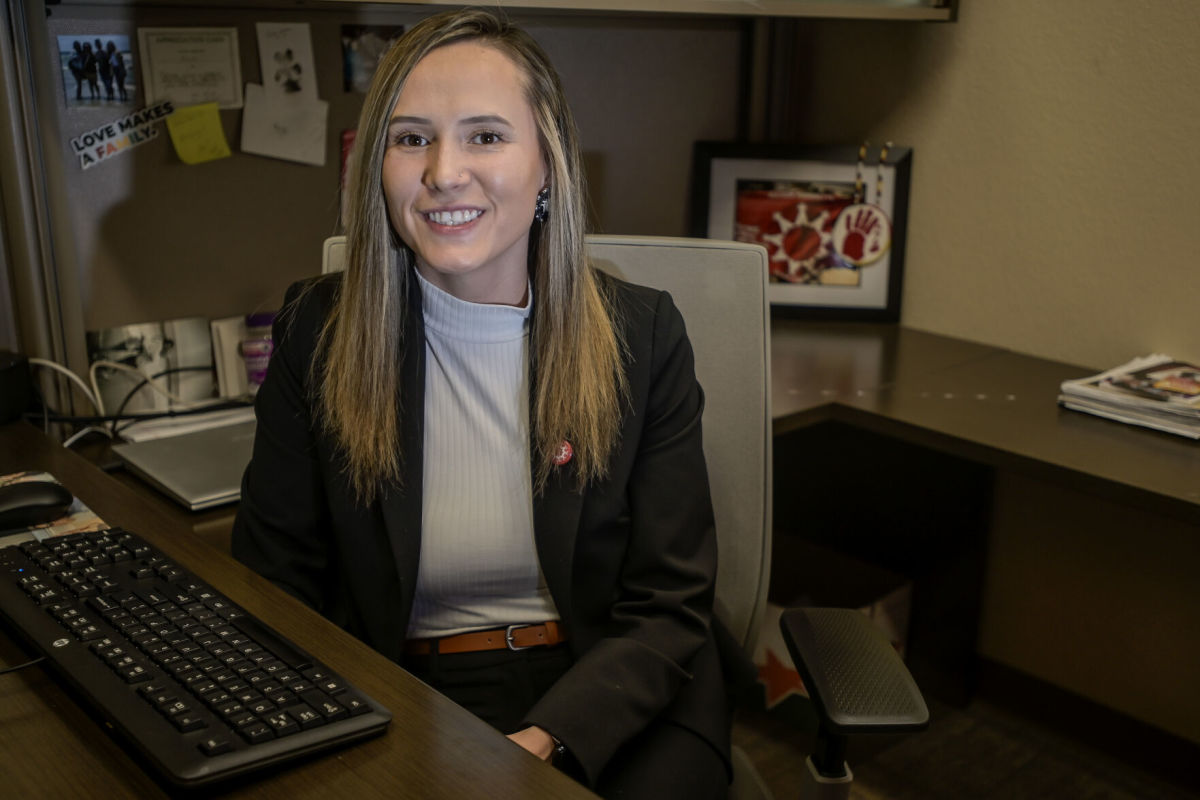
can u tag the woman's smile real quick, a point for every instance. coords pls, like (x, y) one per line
(453, 219)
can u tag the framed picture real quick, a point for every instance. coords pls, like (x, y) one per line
(833, 225)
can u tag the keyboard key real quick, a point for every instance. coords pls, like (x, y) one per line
(229, 709)
(223, 675)
(158, 694)
(156, 646)
(329, 708)
(354, 704)
(215, 745)
(103, 604)
(152, 597)
(182, 670)
(306, 717)
(282, 724)
(135, 674)
(174, 707)
(260, 706)
(47, 595)
(167, 659)
(88, 632)
(189, 722)
(121, 659)
(242, 718)
(247, 696)
(256, 732)
(105, 584)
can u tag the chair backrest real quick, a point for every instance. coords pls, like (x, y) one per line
(333, 255)
(721, 290)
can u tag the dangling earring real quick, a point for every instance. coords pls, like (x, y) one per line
(541, 209)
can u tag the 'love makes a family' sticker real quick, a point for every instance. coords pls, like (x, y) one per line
(120, 135)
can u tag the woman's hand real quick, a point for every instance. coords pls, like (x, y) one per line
(535, 740)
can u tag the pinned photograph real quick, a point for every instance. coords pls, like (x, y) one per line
(97, 70)
(362, 48)
(286, 58)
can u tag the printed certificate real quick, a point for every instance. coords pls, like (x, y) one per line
(191, 65)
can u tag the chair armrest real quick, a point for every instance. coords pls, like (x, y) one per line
(855, 679)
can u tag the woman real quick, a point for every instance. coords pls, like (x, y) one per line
(104, 66)
(75, 64)
(472, 440)
(89, 70)
(117, 62)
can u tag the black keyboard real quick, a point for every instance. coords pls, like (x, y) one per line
(200, 688)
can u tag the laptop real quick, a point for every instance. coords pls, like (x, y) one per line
(199, 470)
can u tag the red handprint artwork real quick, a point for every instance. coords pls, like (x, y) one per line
(861, 225)
(861, 234)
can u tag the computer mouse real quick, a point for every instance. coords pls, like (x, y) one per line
(32, 503)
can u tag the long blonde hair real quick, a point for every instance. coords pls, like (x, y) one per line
(578, 382)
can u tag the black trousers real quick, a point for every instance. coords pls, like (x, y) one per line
(662, 762)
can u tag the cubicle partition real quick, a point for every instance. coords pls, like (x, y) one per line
(142, 236)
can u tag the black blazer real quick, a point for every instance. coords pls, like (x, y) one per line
(630, 561)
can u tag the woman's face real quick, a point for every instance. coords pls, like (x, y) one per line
(462, 172)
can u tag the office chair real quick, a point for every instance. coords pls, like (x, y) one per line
(855, 679)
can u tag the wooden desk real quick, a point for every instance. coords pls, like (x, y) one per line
(888, 442)
(433, 748)
(979, 402)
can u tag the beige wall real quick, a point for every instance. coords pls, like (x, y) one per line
(1056, 167)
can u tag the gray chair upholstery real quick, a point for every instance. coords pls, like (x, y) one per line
(720, 288)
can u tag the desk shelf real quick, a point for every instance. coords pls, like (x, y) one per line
(897, 10)
(910, 10)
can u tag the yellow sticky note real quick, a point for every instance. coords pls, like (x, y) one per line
(197, 134)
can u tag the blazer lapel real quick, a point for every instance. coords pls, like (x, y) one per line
(555, 525)
(401, 504)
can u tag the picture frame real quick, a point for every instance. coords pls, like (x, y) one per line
(789, 198)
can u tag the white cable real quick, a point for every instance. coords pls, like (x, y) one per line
(149, 382)
(96, 389)
(92, 398)
(75, 437)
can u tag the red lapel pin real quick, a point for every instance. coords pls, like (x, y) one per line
(563, 454)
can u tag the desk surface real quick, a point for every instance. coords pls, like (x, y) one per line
(984, 403)
(971, 400)
(433, 748)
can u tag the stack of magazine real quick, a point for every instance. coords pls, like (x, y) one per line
(1154, 391)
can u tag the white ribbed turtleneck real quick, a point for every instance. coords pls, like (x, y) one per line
(479, 567)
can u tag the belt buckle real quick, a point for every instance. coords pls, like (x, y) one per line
(508, 637)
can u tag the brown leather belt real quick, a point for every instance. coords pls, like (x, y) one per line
(513, 637)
